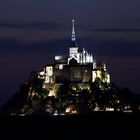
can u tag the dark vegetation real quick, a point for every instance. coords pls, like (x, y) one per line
(32, 99)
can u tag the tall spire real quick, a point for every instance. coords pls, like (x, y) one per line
(73, 38)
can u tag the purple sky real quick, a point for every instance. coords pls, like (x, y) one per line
(32, 32)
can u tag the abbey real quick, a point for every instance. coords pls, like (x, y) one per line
(78, 67)
(72, 84)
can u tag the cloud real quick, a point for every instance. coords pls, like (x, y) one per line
(99, 28)
(55, 47)
(112, 48)
(104, 48)
(110, 43)
(9, 25)
(33, 25)
(61, 26)
(116, 30)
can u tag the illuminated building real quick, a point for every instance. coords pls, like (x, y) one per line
(78, 67)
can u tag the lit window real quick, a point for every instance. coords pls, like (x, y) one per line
(61, 67)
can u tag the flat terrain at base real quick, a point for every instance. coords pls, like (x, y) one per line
(112, 125)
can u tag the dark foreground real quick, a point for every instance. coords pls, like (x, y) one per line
(99, 125)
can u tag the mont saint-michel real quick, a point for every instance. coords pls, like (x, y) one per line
(74, 83)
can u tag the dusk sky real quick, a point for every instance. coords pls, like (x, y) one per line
(32, 32)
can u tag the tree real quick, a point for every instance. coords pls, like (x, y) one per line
(64, 94)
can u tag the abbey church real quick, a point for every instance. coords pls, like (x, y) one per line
(78, 67)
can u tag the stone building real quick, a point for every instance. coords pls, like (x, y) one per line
(78, 67)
